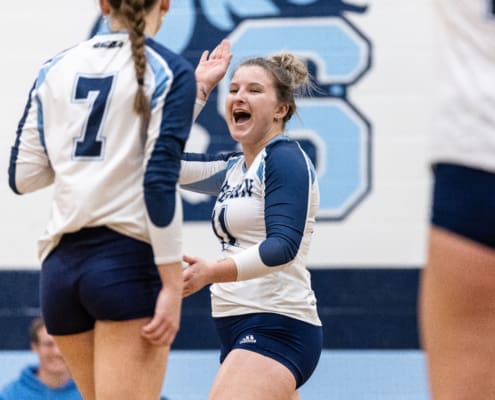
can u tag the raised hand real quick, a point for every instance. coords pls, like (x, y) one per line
(212, 67)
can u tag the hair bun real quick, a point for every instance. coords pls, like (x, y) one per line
(295, 67)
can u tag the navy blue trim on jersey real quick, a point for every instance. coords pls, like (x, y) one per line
(14, 152)
(295, 344)
(287, 187)
(41, 124)
(213, 184)
(464, 202)
(163, 167)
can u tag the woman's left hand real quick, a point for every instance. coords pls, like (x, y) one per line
(212, 68)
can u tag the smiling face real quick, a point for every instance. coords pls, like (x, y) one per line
(50, 357)
(253, 113)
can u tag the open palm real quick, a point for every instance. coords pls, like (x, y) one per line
(212, 67)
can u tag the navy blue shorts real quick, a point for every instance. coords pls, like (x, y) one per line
(97, 274)
(464, 202)
(293, 343)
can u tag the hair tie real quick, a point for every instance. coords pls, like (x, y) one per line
(140, 81)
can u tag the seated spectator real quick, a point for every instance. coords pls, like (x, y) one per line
(50, 379)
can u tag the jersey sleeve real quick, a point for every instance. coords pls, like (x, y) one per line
(29, 168)
(172, 113)
(287, 194)
(205, 173)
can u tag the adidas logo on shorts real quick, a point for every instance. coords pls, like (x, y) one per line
(248, 339)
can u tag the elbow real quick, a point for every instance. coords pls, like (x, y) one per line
(278, 251)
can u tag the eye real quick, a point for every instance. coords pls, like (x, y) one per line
(233, 90)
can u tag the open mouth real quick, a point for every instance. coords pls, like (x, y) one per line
(241, 116)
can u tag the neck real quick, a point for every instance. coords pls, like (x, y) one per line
(53, 380)
(250, 151)
(152, 20)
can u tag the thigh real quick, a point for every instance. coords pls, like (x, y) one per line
(457, 311)
(292, 343)
(78, 351)
(247, 375)
(127, 367)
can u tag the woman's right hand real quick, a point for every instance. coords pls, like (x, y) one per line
(195, 275)
(164, 325)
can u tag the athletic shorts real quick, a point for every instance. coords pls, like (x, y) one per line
(464, 202)
(97, 274)
(295, 344)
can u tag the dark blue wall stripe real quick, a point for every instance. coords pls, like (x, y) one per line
(360, 309)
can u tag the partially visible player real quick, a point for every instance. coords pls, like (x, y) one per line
(106, 124)
(267, 197)
(457, 311)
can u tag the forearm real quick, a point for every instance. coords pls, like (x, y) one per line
(223, 270)
(171, 275)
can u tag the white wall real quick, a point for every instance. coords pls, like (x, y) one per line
(389, 226)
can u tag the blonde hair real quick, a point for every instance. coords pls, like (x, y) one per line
(290, 77)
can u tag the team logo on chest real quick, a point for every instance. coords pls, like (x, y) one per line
(243, 189)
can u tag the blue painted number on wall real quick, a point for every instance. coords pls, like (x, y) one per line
(338, 133)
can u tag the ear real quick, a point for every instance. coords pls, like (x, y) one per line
(105, 7)
(165, 5)
(281, 112)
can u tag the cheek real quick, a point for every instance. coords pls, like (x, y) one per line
(228, 105)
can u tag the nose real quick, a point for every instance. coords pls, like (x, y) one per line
(239, 96)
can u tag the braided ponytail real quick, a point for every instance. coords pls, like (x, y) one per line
(133, 13)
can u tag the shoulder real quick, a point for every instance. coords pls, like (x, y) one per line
(175, 61)
(20, 387)
(54, 61)
(285, 152)
(285, 158)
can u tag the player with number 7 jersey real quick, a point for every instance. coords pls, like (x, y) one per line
(106, 123)
(75, 133)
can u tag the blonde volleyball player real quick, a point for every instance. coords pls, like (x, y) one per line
(106, 123)
(267, 198)
(457, 311)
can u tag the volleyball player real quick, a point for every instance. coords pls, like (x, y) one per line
(106, 123)
(457, 311)
(267, 197)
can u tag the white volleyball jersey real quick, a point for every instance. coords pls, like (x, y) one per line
(264, 218)
(464, 123)
(79, 131)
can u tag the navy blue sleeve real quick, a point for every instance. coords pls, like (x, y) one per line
(287, 191)
(162, 171)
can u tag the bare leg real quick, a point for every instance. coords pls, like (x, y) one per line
(457, 316)
(78, 351)
(127, 367)
(246, 375)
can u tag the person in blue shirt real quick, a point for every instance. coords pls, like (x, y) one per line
(50, 379)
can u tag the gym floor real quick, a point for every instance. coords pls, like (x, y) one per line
(340, 375)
